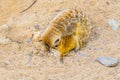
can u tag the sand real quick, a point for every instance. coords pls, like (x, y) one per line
(17, 62)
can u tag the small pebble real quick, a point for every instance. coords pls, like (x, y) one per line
(114, 24)
(108, 61)
(107, 3)
(5, 26)
(36, 26)
(57, 10)
(37, 36)
(4, 40)
(29, 59)
(29, 40)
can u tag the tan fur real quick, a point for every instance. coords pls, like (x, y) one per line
(69, 30)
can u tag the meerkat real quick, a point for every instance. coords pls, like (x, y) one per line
(67, 31)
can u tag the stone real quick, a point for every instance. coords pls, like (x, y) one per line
(108, 61)
(5, 26)
(114, 24)
(37, 36)
(4, 40)
(29, 40)
(36, 26)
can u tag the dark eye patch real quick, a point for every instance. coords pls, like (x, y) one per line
(56, 45)
(47, 45)
(57, 41)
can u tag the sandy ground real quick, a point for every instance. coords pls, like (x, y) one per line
(17, 61)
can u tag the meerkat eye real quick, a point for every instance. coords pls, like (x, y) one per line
(56, 46)
(57, 40)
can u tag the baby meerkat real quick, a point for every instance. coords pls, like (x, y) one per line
(67, 31)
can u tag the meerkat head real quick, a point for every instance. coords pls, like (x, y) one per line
(51, 41)
(51, 37)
